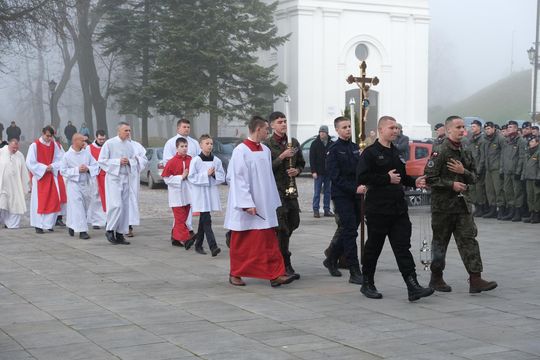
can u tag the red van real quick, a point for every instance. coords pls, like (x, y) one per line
(419, 153)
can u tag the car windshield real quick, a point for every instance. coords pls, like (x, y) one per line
(160, 154)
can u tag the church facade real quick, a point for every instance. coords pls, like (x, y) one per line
(328, 38)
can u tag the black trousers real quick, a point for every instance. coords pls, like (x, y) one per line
(288, 215)
(205, 228)
(398, 228)
(348, 212)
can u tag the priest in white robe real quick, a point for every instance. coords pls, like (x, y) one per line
(251, 211)
(97, 216)
(14, 184)
(135, 185)
(183, 129)
(117, 159)
(78, 168)
(43, 162)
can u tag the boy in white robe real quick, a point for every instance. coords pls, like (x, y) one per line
(205, 174)
(14, 184)
(117, 159)
(78, 167)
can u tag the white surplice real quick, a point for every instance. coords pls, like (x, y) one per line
(63, 207)
(178, 190)
(251, 185)
(42, 221)
(204, 189)
(78, 187)
(14, 184)
(135, 182)
(117, 181)
(96, 215)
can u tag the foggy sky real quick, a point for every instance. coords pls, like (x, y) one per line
(474, 43)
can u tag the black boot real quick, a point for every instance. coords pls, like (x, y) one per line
(121, 240)
(414, 289)
(84, 235)
(71, 232)
(437, 282)
(59, 221)
(368, 288)
(491, 213)
(109, 234)
(527, 219)
(517, 214)
(501, 212)
(289, 270)
(478, 210)
(331, 262)
(535, 219)
(510, 214)
(356, 275)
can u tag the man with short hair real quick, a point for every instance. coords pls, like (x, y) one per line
(440, 133)
(43, 161)
(477, 148)
(14, 181)
(117, 159)
(321, 181)
(382, 170)
(97, 215)
(526, 131)
(251, 211)
(493, 144)
(69, 131)
(535, 130)
(402, 144)
(78, 167)
(449, 172)
(135, 185)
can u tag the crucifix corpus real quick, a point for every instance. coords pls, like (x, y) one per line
(363, 83)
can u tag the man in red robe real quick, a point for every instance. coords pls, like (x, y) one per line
(251, 211)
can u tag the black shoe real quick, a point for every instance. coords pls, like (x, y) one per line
(176, 243)
(71, 232)
(415, 290)
(356, 275)
(316, 214)
(39, 231)
(215, 251)
(121, 240)
(535, 218)
(228, 239)
(290, 271)
(200, 250)
(368, 288)
(517, 214)
(509, 215)
(501, 212)
(478, 210)
(188, 244)
(281, 280)
(96, 227)
(328, 214)
(84, 236)
(109, 234)
(59, 222)
(491, 213)
(50, 230)
(332, 267)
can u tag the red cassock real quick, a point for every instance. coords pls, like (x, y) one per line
(48, 198)
(175, 166)
(94, 150)
(61, 184)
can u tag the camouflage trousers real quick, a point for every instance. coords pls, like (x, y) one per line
(513, 191)
(478, 191)
(533, 196)
(494, 188)
(288, 215)
(463, 228)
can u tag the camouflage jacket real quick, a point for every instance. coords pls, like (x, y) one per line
(443, 197)
(492, 151)
(476, 146)
(512, 155)
(280, 167)
(531, 165)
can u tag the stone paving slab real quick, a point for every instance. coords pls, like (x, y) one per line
(64, 298)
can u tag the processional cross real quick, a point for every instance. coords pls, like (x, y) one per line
(363, 83)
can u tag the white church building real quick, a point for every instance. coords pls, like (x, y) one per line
(328, 38)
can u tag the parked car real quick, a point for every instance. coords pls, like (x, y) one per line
(305, 150)
(419, 153)
(152, 174)
(223, 148)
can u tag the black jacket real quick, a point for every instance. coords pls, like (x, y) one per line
(317, 155)
(383, 197)
(13, 132)
(341, 163)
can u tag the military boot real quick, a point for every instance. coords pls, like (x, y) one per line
(289, 269)
(437, 282)
(527, 219)
(415, 290)
(517, 214)
(510, 214)
(501, 212)
(491, 213)
(478, 211)
(331, 262)
(356, 275)
(368, 288)
(477, 284)
(535, 219)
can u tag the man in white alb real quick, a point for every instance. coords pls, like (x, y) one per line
(135, 184)
(96, 213)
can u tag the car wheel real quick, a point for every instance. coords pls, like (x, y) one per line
(151, 183)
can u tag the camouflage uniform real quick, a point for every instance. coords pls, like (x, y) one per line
(531, 174)
(451, 212)
(288, 213)
(492, 150)
(512, 164)
(477, 149)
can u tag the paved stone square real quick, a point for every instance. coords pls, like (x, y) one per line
(65, 298)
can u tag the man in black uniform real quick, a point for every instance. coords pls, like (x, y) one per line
(341, 164)
(382, 170)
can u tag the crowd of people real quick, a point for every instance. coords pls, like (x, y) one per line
(96, 184)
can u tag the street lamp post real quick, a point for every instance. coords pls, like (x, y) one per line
(52, 89)
(533, 58)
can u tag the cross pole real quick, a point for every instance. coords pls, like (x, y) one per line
(363, 83)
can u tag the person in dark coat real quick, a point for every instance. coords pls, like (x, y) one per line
(402, 144)
(13, 132)
(321, 180)
(69, 131)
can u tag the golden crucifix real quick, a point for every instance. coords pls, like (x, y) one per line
(363, 83)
